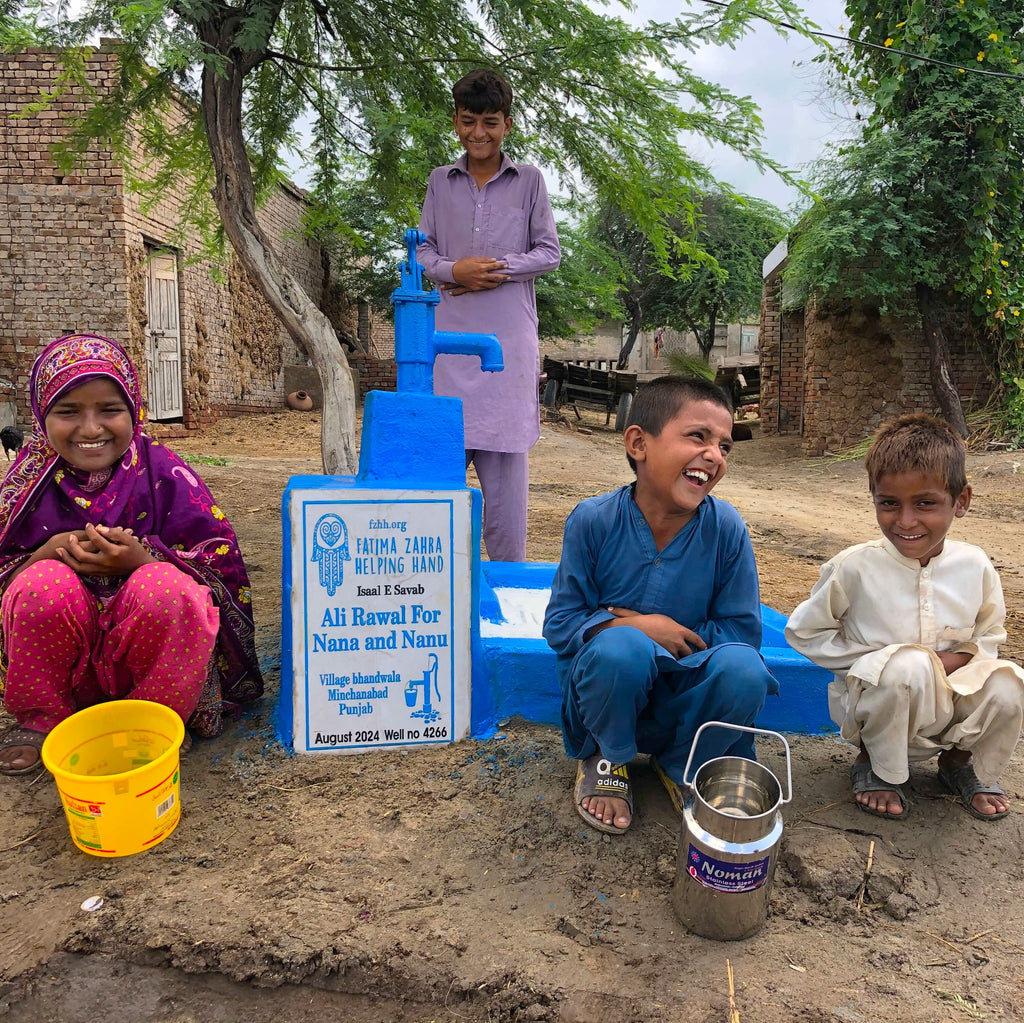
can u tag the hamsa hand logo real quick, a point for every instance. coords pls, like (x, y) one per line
(330, 549)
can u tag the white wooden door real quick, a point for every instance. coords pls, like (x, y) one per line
(163, 338)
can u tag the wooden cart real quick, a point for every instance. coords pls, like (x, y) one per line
(576, 384)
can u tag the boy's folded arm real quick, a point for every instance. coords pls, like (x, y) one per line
(815, 628)
(541, 259)
(989, 628)
(828, 648)
(437, 267)
(568, 627)
(573, 609)
(544, 253)
(738, 628)
(735, 612)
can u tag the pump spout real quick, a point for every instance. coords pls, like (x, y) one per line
(484, 345)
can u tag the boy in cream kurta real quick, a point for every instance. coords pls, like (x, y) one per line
(911, 625)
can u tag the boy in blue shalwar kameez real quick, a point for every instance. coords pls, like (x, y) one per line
(655, 609)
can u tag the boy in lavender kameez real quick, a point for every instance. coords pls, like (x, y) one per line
(655, 612)
(490, 232)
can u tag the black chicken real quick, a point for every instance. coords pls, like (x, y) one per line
(12, 438)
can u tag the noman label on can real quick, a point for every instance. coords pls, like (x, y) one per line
(724, 876)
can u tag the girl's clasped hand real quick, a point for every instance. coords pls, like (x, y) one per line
(102, 550)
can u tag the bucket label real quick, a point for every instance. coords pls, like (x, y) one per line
(724, 876)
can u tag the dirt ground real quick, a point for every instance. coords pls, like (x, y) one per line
(457, 883)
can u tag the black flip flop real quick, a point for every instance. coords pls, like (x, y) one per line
(965, 785)
(597, 776)
(865, 780)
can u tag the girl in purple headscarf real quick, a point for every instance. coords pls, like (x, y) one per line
(121, 578)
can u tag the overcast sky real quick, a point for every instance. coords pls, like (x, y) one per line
(777, 74)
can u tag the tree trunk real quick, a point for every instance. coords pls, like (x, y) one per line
(635, 313)
(708, 341)
(938, 361)
(235, 196)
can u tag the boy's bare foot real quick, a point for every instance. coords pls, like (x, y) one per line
(610, 811)
(886, 800)
(986, 804)
(604, 794)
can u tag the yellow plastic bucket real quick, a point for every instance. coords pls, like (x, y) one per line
(116, 766)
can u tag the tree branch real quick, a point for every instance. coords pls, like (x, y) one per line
(363, 68)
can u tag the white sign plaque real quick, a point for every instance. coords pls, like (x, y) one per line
(380, 618)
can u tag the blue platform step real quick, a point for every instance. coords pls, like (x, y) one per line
(520, 667)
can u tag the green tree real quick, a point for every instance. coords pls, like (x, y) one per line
(601, 103)
(582, 291)
(713, 271)
(927, 203)
(737, 232)
(637, 268)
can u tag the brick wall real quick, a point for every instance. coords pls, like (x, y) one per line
(73, 251)
(61, 241)
(864, 368)
(382, 336)
(374, 374)
(781, 348)
(833, 375)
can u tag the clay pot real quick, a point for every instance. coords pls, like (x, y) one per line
(300, 401)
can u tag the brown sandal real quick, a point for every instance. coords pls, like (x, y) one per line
(15, 737)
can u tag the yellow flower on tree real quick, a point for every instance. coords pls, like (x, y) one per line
(888, 41)
(1003, 262)
(993, 37)
(981, 54)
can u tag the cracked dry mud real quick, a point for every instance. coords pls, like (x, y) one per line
(457, 883)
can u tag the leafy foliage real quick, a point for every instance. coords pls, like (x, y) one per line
(600, 103)
(736, 232)
(583, 290)
(713, 271)
(931, 193)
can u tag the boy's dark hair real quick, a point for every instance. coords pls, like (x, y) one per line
(660, 400)
(918, 442)
(483, 91)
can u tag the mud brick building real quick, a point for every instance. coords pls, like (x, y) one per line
(832, 375)
(81, 251)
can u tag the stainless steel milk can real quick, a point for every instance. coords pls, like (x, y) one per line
(730, 837)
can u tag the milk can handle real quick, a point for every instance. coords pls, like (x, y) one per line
(688, 781)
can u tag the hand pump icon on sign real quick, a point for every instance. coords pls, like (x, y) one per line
(428, 712)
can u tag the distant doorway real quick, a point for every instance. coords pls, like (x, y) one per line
(163, 336)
